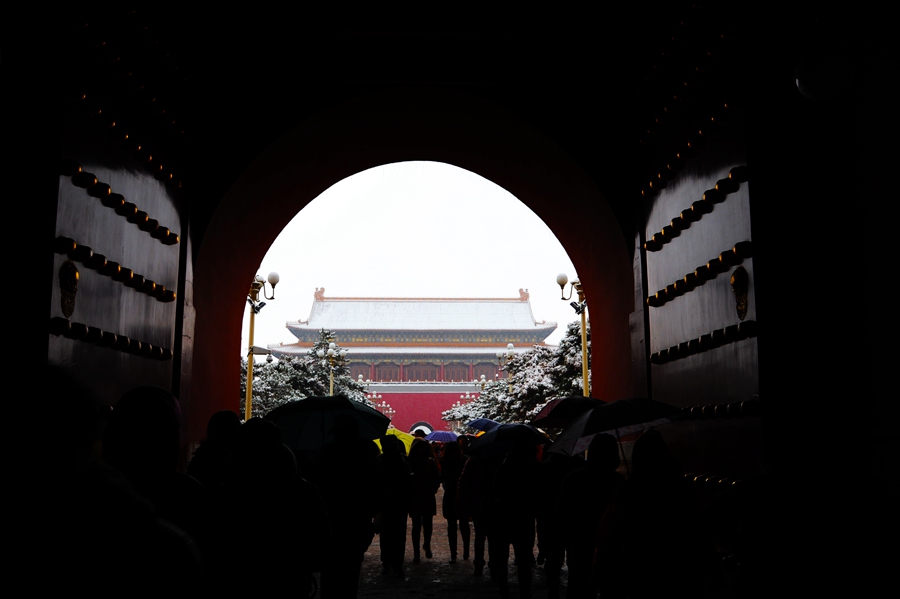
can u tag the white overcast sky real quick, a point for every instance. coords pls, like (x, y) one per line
(412, 229)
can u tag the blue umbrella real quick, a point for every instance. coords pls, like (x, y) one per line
(441, 436)
(483, 424)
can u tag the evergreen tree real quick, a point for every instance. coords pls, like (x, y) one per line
(492, 403)
(564, 368)
(292, 378)
(535, 377)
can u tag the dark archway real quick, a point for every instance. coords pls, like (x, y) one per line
(393, 126)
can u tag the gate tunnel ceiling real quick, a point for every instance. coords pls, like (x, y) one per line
(233, 83)
(595, 83)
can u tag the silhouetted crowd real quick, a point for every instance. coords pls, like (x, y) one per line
(113, 510)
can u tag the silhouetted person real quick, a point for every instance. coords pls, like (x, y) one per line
(84, 526)
(475, 485)
(265, 507)
(426, 481)
(209, 460)
(650, 537)
(452, 463)
(351, 484)
(512, 510)
(551, 544)
(142, 440)
(583, 499)
(398, 484)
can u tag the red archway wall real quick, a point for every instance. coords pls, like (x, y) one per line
(395, 126)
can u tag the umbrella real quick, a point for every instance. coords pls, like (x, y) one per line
(406, 438)
(616, 417)
(307, 423)
(483, 424)
(561, 411)
(501, 439)
(441, 436)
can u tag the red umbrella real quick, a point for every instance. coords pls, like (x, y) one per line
(562, 411)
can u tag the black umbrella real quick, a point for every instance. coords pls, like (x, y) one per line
(562, 411)
(307, 423)
(619, 418)
(503, 437)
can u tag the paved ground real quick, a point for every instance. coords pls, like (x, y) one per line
(436, 577)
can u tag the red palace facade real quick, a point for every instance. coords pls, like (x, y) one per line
(422, 355)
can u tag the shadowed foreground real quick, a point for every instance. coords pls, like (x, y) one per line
(437, 577)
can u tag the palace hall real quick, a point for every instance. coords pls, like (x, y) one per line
(421, 354)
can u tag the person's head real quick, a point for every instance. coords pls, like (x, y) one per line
(603, 452)
(420, 451)
(452, 453)
(260, 454)
(651, 456)
(223, 426)
(390, 445)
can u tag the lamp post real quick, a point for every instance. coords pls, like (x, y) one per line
(454, 424)
(373, 397)
(580, 308)
(506, 358)
(385, 408)
(332, 353)
(482, 382)
(258, 284)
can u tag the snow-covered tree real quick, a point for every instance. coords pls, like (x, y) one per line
(565, 368)
(535, 377)
(292, 378)
(492, 403)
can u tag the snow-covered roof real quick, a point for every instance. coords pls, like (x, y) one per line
(358, 351)
(421, 314)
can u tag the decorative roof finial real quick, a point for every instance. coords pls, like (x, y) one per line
(319, 294)
(523, 295)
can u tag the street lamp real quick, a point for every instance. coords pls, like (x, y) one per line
(332, 353)
(374, 397)
(482, 382)
(580, 308)
(385, 408)
(454, 424)
(255, 306)
(506, 358)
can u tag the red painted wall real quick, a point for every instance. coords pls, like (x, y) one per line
(413, 407)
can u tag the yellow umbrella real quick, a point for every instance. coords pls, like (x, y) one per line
(405, 437)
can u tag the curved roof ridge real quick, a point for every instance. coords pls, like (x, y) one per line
(319, 296)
